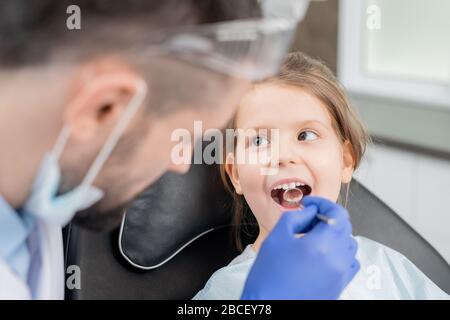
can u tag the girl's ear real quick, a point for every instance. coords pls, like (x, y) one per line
(348, 163)
(231, 170)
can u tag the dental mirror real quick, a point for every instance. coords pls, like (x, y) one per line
(293, 195)
(296, 195)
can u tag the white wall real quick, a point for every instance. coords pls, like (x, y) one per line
(416, 186)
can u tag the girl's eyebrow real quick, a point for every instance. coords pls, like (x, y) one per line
(294, 124)
(309, 122)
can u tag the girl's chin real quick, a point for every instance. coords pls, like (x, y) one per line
(289, 207)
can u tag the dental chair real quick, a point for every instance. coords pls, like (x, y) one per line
(178, 232)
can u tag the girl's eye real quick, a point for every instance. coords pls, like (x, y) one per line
(307, 136)
(259, 141)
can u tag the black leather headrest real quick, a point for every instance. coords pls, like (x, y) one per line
(172, 213)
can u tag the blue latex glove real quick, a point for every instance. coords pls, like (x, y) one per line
(318, 265)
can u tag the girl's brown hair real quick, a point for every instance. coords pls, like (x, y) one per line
(302, 71)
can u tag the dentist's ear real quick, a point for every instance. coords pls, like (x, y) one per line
(348, 162)
(231, 170)
(100, 94)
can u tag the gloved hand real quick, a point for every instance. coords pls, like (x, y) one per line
(318, 265)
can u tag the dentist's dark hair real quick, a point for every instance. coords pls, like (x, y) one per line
(30, 31)
(303, 72)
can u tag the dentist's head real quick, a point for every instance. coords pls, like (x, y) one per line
(89, 96)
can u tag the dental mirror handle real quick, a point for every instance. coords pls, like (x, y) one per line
(327, 220)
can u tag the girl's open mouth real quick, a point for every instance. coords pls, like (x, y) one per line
(294, 191)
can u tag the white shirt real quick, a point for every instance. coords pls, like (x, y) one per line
(384, 274)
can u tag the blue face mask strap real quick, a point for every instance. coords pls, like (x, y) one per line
(61, 142)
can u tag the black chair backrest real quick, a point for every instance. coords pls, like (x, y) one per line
(159, 253)
(373, 219)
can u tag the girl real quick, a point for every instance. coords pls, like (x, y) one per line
(320, 143)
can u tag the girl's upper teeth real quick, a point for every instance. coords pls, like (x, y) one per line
(290, 185)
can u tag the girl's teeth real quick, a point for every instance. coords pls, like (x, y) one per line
(290, 185)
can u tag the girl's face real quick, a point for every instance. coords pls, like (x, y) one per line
(310, 151)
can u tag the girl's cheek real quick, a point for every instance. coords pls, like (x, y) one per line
(326, 168)
(249, 178)
(252, 183)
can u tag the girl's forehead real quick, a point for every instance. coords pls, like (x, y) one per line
(278, 105)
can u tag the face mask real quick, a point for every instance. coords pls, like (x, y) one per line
(45, 203)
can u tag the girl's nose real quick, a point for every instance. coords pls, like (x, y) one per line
(289, 154)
